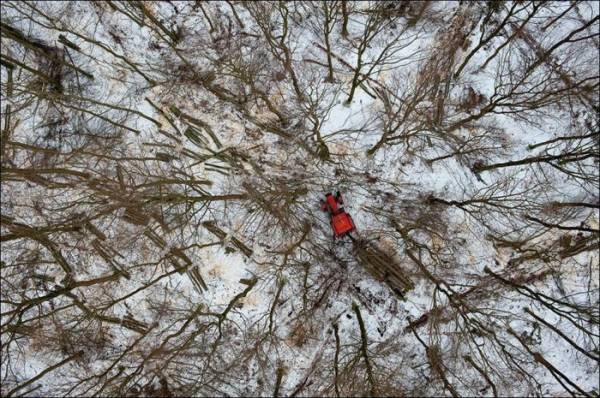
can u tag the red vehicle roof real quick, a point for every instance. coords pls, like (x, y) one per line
(341, 224)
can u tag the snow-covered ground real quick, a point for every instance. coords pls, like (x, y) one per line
(201, 262)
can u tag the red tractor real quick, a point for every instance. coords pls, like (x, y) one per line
(341, 222)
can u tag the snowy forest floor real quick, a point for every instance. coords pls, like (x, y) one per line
(163, 163)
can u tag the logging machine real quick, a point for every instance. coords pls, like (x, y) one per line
(341, 222)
